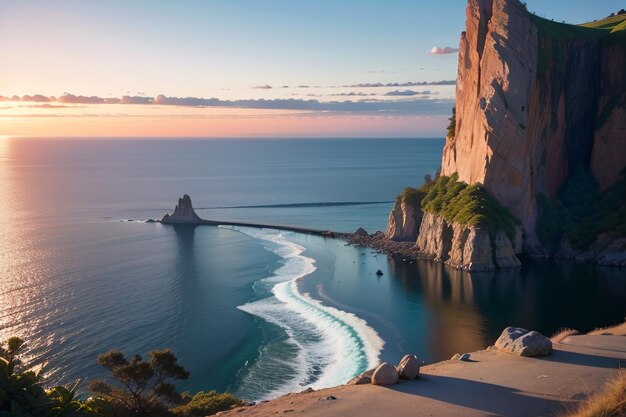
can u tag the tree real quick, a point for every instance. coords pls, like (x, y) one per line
(452, 125)
(142, 387)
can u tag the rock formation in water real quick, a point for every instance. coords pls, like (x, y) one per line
(183, 213)
(536, 102)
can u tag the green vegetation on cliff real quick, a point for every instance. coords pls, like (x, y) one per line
(451, 131)
(470, 205)
(609, 30)
(580, 212)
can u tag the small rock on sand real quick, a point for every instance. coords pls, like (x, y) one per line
(364, 378)
(464, 357)
(409, 367)
(523, 343)
(385, 374)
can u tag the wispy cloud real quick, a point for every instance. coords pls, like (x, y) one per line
(353, 94)
(262, 87)
(403, 84)
(418, 107)
(408, 93)
(438, 50)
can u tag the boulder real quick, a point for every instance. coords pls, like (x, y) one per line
(409, 367)
(361, 232)
(364, 378)
(522, 342)
(385, 374)
(379, 273)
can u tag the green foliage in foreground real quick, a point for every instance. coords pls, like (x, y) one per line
(22, 392)
(142, 389)
(580, 212)
(470, 205)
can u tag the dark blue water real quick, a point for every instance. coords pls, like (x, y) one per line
(255, 312)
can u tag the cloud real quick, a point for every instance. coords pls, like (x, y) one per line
(50, 106)
(415, 107)
(437, 50)
(262, 87)
(405, 93)
(404, 84)
(353, 94)
(72, 99)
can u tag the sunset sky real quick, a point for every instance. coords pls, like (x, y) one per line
(350, 68)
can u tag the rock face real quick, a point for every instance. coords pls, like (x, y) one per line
(535, 101)
(183, 213)
(404, 221)
(521, 342)
(385, 374)
(465, 247)
(409, 367)
(531, 107)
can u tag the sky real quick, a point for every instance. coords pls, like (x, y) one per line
(349, 68)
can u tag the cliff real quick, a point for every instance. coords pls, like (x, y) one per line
(535, 100)
(183, 213)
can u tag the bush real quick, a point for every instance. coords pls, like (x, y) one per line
(452, 126)
(470, 205)
(22, 392)
(205, 404)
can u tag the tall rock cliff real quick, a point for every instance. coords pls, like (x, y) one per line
(535, 100)
(536, 157)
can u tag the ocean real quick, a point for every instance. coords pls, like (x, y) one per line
(258, 312)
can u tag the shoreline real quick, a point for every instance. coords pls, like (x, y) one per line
(491, 383)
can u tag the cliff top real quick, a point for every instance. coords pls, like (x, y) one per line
(611, 28)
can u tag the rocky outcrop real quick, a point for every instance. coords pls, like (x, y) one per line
(404, 221)
(521, 342)
(465, 247)
(183, 213)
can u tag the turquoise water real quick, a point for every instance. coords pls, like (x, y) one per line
(257, 312)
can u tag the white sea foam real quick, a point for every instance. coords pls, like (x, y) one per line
(333, 345)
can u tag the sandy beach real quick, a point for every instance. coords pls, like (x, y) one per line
(492, 383)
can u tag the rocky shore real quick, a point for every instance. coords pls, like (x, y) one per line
(379, 241)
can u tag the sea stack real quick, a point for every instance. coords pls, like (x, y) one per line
(183, 213)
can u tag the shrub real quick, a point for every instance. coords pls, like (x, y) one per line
(470, 205)
(452, 126)
(205, 404)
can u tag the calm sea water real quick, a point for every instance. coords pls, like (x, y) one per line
(257, 312)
